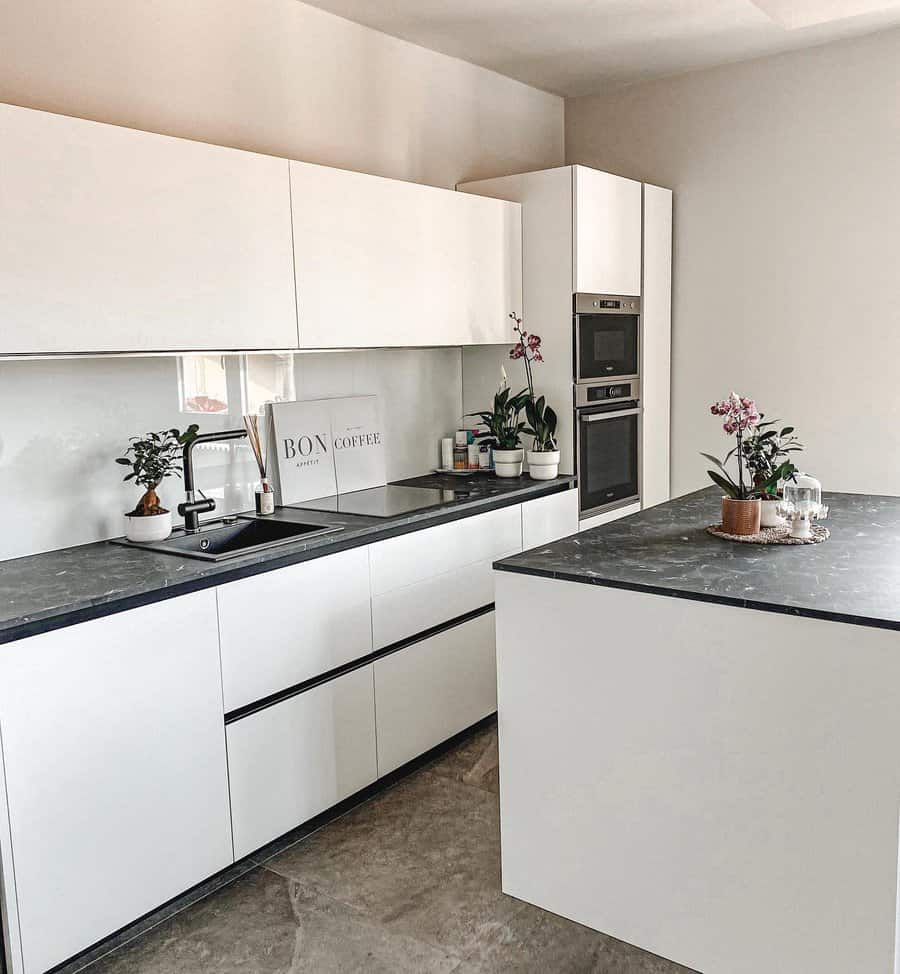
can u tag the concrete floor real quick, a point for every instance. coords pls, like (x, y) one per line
(408, 883)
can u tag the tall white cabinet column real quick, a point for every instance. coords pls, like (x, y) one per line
(656, 353)
(587, 231)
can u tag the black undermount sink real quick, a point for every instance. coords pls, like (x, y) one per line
(233, 536)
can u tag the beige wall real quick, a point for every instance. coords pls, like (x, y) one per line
(266, 75)
(280, 77)
(787, 233)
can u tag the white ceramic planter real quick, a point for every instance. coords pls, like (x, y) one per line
(508, 463)
(543, 464)
(768, 514)
(154, 527)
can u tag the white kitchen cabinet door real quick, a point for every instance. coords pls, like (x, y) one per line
(119, 240)
(547, 519)
(116, 780)
(607, 233)
(433, 689)
(382, 262)
(296, 758)
(656, 356)
(429, 577)
(290, 625)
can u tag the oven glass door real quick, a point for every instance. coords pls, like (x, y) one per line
(606, 345)
(608, 458)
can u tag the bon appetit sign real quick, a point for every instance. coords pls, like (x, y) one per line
(326, 446)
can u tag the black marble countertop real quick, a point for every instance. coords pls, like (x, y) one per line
(853, 577)
(60, 588)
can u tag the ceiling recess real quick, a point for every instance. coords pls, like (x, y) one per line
(795, 14)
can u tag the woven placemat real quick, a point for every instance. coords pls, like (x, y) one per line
(778, 535)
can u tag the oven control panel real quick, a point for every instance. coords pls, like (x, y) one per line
(607, 392)
(604, 393)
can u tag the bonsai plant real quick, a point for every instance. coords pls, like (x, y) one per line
(543, 457)
(504, 431)
(740, 505)
(153, 457)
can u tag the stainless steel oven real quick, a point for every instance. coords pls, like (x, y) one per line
(608, 445)
(607, 337)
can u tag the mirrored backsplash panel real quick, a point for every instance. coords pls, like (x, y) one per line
(63, 422)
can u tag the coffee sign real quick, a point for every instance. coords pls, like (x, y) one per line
(325, 447)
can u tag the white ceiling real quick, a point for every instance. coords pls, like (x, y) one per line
(577, 47)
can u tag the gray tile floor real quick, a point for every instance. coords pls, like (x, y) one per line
(408, 883)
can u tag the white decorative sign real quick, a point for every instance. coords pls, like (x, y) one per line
(325, 446)
(358, 443)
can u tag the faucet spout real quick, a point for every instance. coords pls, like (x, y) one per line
(190, 509)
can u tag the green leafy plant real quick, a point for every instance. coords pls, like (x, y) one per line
(504, 430)
(543, 422)
(767, 457)
(153, 457)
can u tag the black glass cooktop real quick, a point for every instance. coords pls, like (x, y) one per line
(389, 501)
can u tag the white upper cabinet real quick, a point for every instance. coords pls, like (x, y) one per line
(119, 240)
(381, 262)
(607, 233)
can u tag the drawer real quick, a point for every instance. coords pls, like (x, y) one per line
(411, 558)
(547, 519)
(290, 625)
(433, 689)
(299, 757)
(424, 579)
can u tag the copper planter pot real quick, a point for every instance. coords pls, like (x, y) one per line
(740, 517)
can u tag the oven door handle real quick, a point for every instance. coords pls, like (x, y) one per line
(596, 417)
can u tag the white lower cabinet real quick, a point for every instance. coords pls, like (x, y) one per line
(114, 756)
(548, 519)
(287, 626)
(429, 577)
(433, 689)
(299, 757)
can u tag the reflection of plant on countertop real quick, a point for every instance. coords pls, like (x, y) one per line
(153, 457)
(758, 447)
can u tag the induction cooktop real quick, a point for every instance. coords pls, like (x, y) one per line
(391, 500)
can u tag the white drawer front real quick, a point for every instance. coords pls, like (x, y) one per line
(434, 551)
(433, 689)
(421, 580)
(293, 760)
(547, 519)
(289, 625)
(404, 612)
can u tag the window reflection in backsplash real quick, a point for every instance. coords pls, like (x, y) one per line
(237, 384)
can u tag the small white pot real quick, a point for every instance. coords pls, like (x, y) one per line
(769, 516)
(543, 464)
(508, 463)
(153, 527)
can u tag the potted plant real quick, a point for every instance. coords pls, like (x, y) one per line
(767, 456)
(740, 505)
(543, 457)
(152, 458)
(504, 431)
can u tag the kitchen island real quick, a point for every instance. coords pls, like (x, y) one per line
(700, 740)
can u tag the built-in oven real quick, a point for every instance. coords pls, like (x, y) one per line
(608, 446)
(607, 337)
